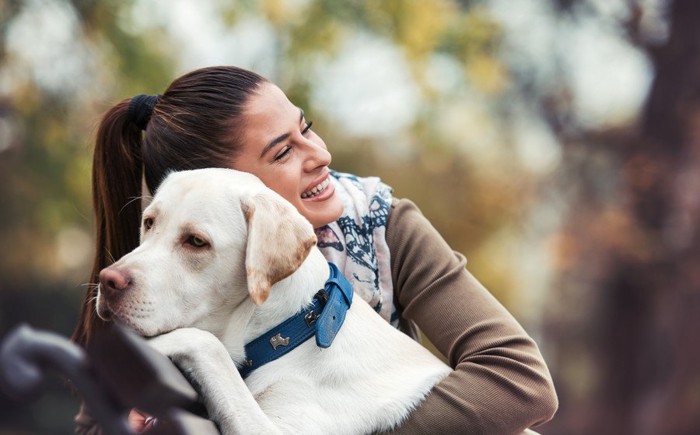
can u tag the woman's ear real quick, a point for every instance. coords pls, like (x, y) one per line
(279, 240)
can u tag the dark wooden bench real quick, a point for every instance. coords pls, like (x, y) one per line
(116, 373)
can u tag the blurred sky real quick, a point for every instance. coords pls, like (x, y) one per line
(608, 76)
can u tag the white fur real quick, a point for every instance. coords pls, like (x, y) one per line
(198, 305)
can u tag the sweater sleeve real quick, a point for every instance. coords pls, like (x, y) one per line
(500, 382)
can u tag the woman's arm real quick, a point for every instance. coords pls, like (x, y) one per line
(500, 383)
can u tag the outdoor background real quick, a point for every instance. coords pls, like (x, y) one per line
(555, 143)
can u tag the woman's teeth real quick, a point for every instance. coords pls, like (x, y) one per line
(316, 190)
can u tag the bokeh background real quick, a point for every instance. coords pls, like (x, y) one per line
(555, 143)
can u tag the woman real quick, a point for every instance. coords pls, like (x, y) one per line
(230, 117)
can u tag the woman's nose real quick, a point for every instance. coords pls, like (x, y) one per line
(317, 156)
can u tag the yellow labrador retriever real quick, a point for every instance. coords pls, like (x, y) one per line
(229, 282)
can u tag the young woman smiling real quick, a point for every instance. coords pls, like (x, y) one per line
(234, 118)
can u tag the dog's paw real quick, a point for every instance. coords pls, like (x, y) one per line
(185, 344)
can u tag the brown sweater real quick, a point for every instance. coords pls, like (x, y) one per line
(500, 383)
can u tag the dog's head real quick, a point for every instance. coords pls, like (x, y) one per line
(209, 239)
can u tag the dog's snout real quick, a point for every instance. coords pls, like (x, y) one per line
(114, 281)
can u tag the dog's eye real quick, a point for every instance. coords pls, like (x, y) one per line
(197, 242)
(148, 223)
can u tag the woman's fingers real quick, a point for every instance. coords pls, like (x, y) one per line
(140, 422)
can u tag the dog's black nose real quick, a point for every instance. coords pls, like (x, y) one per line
(114, 281)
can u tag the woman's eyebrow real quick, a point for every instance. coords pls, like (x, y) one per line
(281, 137)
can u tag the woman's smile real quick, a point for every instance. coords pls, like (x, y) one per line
(320, 191)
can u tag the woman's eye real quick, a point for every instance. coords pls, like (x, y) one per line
(307, 127)
(148, 223)
(283, 153)
(197, 242)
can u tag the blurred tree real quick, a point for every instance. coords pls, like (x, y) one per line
(654, 284)
(624, 334)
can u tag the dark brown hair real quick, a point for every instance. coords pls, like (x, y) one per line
(195, 124)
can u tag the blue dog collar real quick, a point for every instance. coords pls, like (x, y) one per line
(322, 318)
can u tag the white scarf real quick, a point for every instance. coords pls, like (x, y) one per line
(356, 242)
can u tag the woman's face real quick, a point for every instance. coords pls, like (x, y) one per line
(281, 150)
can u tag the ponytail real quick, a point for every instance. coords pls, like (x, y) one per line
(116, 186)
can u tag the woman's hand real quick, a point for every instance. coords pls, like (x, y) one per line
(141, 422)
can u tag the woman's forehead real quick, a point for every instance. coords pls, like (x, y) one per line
(268, 115)
(267, 102)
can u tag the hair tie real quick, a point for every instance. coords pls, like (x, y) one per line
(141, 108)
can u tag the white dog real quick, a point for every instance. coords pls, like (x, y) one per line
(223, 263)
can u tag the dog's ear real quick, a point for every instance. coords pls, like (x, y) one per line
(279, 240)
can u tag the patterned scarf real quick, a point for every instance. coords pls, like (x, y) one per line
(356, 242)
